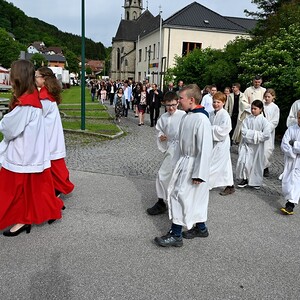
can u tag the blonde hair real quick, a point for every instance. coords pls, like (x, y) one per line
(192, 91)
(272, 92)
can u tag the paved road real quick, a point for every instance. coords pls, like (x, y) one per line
(103, 249)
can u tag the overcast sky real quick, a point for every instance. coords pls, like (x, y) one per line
(103, 17)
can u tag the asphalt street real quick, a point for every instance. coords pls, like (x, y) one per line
(103, 246)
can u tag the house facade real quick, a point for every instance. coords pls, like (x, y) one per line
(153, 50)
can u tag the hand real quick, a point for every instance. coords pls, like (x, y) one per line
(197, 181)
(163, 138)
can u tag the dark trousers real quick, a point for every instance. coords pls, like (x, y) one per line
(111, 98)
(233, 125)
(154, 114)
(125, 108)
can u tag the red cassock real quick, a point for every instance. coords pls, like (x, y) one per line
(26, 186)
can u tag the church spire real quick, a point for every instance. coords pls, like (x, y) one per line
(133, 9)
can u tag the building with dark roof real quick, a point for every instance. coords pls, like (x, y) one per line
(146, 47)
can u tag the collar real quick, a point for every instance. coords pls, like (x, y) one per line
(199, 109)
(44, 94)
(30, 100)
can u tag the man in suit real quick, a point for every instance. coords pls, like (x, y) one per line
(154, 103)
(235, 105)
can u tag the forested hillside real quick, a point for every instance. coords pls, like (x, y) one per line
(27, 30)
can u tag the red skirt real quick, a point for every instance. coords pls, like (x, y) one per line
(60, 175)
(27, 198)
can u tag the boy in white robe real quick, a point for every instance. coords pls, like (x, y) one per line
(167, 142)
(256, 130)
(290, 146)
(221, 167)
(188, 191)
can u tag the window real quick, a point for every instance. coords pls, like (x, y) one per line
(149, 54)
(146, 53)
(188, 47)
(154, 50)
(140, 55)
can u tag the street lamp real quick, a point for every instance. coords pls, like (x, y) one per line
(82, 65)
(149, 54)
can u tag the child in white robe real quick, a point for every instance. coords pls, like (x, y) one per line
(167, 142)
(290, 146)
(256, 130)
(292, 117)
(272, 113)
(221, 167)
(188, 191)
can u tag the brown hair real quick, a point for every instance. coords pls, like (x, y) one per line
(22, 78)
(219, 96)
(192, 91)
(51, 83)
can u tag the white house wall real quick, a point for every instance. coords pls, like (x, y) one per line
(174, 38)
(172, 42)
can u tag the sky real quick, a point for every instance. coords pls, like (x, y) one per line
(103, 17)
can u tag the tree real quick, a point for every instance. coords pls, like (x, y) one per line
(277, 59)
(9, 49)
(38, 60)
(72, 61)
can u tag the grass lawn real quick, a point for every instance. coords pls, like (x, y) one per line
(97, 119)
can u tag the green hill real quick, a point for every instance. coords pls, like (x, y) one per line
(27, 30)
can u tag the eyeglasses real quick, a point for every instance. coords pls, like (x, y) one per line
(170, 105)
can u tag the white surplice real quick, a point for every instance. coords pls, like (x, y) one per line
(167, 125)
(54, 129)
(291, 173)
(188, 202)
(272, 115)
(292, 118)
(250, 165)
(220, 167)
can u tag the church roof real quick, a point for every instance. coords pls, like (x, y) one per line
(196, 15)
(129, 30)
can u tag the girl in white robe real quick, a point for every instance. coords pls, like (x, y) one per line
(290, 146)
(272, 113)
(167, 142)
(256, 130)
(221, 167)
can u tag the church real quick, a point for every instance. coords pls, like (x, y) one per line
(145, 46)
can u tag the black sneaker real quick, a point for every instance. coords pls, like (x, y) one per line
(288, 209)
(243, 183)
(157, 209)
(195, 232)
(266, 172)
(169, 240)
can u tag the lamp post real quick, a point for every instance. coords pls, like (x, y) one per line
(149, 56)
(159, 50)
(82, 65)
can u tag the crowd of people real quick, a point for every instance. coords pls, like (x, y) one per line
(33, 171)
(195, 139)
(200, 140)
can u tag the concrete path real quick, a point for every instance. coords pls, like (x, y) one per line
(103, 247)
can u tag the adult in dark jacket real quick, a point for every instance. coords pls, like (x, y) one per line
(154, 103)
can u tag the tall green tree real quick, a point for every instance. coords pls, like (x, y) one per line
(9, 49)
(38, 60)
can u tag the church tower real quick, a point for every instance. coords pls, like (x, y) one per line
(133, 9)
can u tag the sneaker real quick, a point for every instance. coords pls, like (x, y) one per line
(157, 209)
(243, 183)
(228, 190)
(169, 240)
(288, 209)
(195, 232)
(266, 172)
